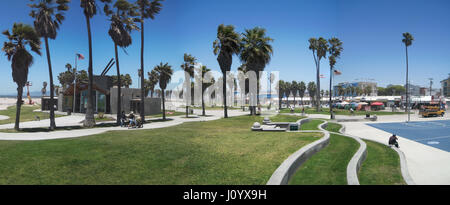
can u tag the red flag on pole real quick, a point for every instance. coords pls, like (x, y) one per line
(80, 56)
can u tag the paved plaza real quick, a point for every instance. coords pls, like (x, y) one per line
(426, 163)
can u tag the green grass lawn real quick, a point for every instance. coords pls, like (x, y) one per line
(285, 118)
(311, 125)
(26, 114)
(328, 166)
(222, 151)
(326, 111)
(333, 127)
(381, 167)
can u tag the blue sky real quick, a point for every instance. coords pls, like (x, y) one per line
(370, 30)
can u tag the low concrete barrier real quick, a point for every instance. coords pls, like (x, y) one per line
(303, 121)
(403, 166)
(355, 163)
(289, 167)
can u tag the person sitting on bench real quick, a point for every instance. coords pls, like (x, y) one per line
(132, 119)
(123, 119)
(393, 141)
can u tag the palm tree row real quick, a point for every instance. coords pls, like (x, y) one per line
(294, 88)
(253, 48)
(48, 16)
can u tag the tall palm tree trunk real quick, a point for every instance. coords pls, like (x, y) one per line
(18, 106)
(287, 101)
(142, 111)
(407, 84)
(294, 101)
(164, 104)
(224, 91)
(52, 87)
(280, 100)
(331, 107)
(318, 88)
(203, 102)
(119, 86)
(89, 120)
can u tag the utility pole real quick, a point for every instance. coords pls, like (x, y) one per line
(431, 83)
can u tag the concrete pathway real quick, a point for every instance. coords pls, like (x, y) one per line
(426, 164)
(75, 120)
(4, 117)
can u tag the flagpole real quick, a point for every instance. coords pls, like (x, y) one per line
(75, 84)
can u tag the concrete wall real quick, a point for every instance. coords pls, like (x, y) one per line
(152, 105)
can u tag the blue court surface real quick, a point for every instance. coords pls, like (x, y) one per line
(431, 133)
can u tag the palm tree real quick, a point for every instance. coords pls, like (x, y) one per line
(48, 15)
(256, 52)
(312, 89)
(294, 89)
(90, 9)
(281, 87)
(205, 85)
(301, 90)
(352, 91)
(347, 91)
(165, 74)
(225, 46)
(367, 90)
(407, 40)
(119, 31)
(188, 67)
(341, 90)
(287, 92)
(153, 78)
(21, 60)
(319, 48)
(334, 50)
(66, 78)
(358, 91)
(147, 10)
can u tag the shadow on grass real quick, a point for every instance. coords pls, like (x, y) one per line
(206, 115)
(75, 127)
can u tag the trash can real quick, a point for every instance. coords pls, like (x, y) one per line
(293, 127)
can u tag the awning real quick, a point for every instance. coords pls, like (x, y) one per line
(377, 103)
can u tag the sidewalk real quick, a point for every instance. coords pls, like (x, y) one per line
(75, 120)
(427, 165)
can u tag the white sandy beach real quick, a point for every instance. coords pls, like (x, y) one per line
(5, 102)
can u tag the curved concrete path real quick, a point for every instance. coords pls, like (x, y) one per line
(284, 172)
(426, 165)
(290, 166)
(75, 120)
